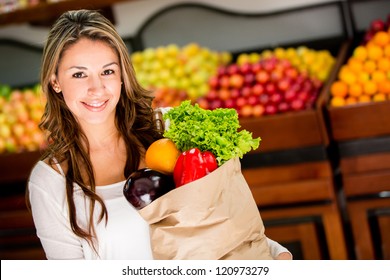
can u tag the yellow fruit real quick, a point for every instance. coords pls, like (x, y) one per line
(162, 155)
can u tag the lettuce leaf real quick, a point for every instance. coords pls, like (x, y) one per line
(216, 131)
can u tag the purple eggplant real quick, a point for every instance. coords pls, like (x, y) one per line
(145, 185)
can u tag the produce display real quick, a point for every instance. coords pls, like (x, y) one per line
(20, 114)
(365, 76)
(266, 87)
(316, 63)
(197, 142)
(179, 71)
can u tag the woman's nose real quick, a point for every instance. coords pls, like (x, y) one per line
(96, 85)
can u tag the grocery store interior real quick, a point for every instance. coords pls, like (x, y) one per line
(310, 77)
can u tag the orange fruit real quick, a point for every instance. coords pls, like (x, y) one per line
(360, 53)
(162, 155)
(370, 88)
(364, 99)
(387, 51)
(347, 76)
(374, 52)
(379, 97)
(351, 100)
(384, 86)
(339, 88)
(381, 38)
(337, 101)
(363, 77)
(378, 76)
(355, 90)
(384, 63)
(369, 66)
(355, 65)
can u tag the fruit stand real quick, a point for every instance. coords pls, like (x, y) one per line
(361, 134)
(320, 170)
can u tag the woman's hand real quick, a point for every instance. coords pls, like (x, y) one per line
(284, 256)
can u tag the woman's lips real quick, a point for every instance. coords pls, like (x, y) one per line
(95, 106)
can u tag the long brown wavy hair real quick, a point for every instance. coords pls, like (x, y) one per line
(67, 142)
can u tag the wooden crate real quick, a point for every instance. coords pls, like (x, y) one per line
(363, 120)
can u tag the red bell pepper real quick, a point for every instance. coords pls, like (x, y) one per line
(192, 165)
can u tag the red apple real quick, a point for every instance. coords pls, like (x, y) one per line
(203, 103)
(235, 93)
(377, 25)
(249, 78)
(258, 89)
(264, 99)
(283, 107)
(283, 84)
(246, 91)
(290, 95)
(245, 111)
(214, 82)
(256, 67)
(270, 109)
(233, 69)
(262, 77)
(212, 94)
(258, 110)
(246, 68)
(236, 80)
(217, 103)
(241, 101)
(297, 104)
(276, 98)
(253, 100)
(224, 81)
(224, 94)
(270, 88)
(230, 103)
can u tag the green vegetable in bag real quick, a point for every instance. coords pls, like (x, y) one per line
(209, 130)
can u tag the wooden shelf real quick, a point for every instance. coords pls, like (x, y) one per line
(48, 12)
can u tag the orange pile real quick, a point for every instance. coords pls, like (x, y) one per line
(365, 77)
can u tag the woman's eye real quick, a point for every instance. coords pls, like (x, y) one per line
(108, 72)
(78, 75)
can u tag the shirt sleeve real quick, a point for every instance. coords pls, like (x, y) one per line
(276, 248)
(53, 226)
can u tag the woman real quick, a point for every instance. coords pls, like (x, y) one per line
(99, 123)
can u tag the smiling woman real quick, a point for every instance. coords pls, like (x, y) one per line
(99, 123)
(90, 81)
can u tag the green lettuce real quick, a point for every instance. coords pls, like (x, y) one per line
(215, 130)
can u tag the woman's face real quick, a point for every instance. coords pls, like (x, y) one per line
(89, 76)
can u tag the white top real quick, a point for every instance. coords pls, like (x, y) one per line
(125, 237)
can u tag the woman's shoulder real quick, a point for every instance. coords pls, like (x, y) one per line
(43, 175)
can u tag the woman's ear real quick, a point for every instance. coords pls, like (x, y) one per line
(54, 84)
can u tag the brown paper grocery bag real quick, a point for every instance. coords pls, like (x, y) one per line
(212, 218)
